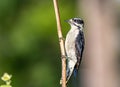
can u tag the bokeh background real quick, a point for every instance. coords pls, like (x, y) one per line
(29, 46)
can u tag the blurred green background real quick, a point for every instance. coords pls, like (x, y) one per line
(29, 48)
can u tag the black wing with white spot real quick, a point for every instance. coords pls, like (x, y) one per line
(79, 46)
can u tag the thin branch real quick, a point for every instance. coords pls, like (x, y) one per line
(62, 47)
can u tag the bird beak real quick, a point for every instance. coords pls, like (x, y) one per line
(66, 20)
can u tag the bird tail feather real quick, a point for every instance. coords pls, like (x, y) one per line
(75, 72)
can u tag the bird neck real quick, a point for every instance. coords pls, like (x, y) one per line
(77, 27)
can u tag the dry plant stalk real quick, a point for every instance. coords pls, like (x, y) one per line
(61, 42)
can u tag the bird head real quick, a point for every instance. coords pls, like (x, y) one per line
(76, 22)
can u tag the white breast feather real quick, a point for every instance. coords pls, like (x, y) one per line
(70, 43)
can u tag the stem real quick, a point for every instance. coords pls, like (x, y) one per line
(61, 42)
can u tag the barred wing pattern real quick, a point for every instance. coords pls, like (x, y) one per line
(79, 45)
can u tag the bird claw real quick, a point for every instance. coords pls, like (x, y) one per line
(61, 38)
(63, 56)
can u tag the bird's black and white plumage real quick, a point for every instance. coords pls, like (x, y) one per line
(74, 46)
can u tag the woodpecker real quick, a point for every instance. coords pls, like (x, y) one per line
(74, 46)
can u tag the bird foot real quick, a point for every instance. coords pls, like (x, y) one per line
(63, 56)
(61, 38)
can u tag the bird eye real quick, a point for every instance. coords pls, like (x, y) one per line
(74, 20)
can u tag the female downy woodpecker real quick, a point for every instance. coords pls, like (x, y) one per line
(74, 46)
